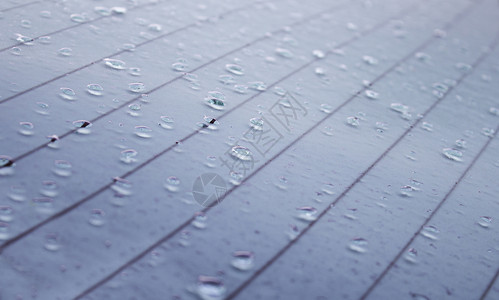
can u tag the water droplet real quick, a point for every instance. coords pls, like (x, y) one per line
(234, 69)
(407, 190)
(166, 122)
(494, 111)
(26, 23)
(97, 217)
(370, 60)
(307, 213)
(24, 39)
(121, 187)
(430, 232)
(200, 220)
(452, 154)
(103, 11)
(353, 121)
(136, 87)
(15, 51)
(465, 68)
(95, 89)
(43, 205)
(172, 184)
(358, 245)
(243, 260)
(43, 108)
(128, 156)
(241, 153)
(326, 108)
(78, 18)
(62, 168)
(67, 94)
(488, 132)
(134, 71)
(411, 255)
(52, 242)
(257, 85)
(318, 54)
(279, 91)
(6, 213)
(49, 189)
(485, 221)
(460, 143)
(4, 231)
(439, 33)
(328, 130)
(45, 40)
(371, 94)
(83, 126)
(421, 56)
(143, 131)
(215, 100)
(427, 126)
(180, 66)
(284, 53)
(26, 128)
(226, 79)
(65, 51)
(17, 193)
(155, 27)
(115, 63)
(320, 71)
(240, 88)
(119, 10)
(210, 288)
(45, 14)
(400, 108)
(256, 123)
(128, 47)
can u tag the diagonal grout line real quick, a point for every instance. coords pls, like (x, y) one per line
(490, 285)
(103, 188)
(76, 25)
(187, 222)
(19, 6)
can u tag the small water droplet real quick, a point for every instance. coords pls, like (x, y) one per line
(180, 65)
(155, 27)
(485, 221)
(6, 213)
(256, 123)
(26, 40)
(166, 122)
(119, 10)
(411, 255)
(370, 60)
(4, 231)
(65, 51)
(46, 14)
(16, 51)
(318, 54)
(134, 71)
(460, 143)
(430, 232)
(121, 187)
(353, 121)
(45, 40)
(172, 184)
(143, 131)
(326, 108)
(371, 94)
(257, 85)
(136, 87)
(488, 132)
(78, 18)
(26, 128)
(17, 193)
(226, 79)
(200, 220)
(43, 205)
(67, 94)
(241, 153)
(103, 11)
(400, 108)
(307, 213)
(284, 53)
(452, 154)
(83, 126)
(95, 89)
(320, 71)
(427, 126)
(52, 242)
(115, 63)
(43, 108)
(243, 260)
(128, 156)
(494, 111)
(465, 68)
(49, 189)
(97, 217)
(26, 23)
(62, 168)
(421, 56)
(358, 245)
(234, 69)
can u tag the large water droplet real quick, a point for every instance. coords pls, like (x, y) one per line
(371, 94)
(95, 89)
(172, 184)
(452, 154)
(143, 131)
(136, 87)
(210, 288)
(234, 69)
(26, 128)
(358, 245)
(485, 221)
(243, 260)
(241, 153)
(115, 63)
(67, 94)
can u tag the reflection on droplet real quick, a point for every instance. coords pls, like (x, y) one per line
(358, 245)
(485, 221)
(97, 217)
(26, 128)
(452, 154)
(115, 63)
(210, 288)
(95, 89)
(243, 260)
(200, 220)
(234, 69)
(172, 184)
(67, 94)
(307, 213)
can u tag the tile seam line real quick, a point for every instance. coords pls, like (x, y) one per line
(79, 24)
(365, 172)
(490, 285)
(175, 231)
(105, 187)
(42, 146)
(19, 6)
